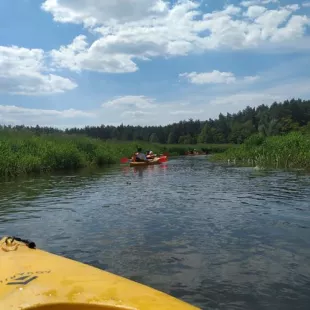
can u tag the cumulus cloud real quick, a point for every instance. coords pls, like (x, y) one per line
(132, 109)
(135, 114)
(15, 115)
(255, 11)
(131, 30)
(306, 4)
(210, 104)
(92, 12)
(22, 71)
(137, 102)
(244, 98)
(79, 55)
(70, 113)
(201, 106)
(254, 2)
(187, 112)
(216, 77)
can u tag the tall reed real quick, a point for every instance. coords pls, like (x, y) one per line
(288, 151)
(22, 153)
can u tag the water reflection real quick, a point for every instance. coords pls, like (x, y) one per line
(141, 171)
(219, 237)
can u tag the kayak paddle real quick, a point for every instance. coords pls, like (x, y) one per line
(163, 159)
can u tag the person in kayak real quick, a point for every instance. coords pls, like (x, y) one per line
(139, 156)
(150, 155)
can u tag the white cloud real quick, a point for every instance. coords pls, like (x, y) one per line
(255, 11)
(138, 102)
(267, 95)
(135, 114)
(259, 2)
(216, 77)
(78, 55)
(306, 4)
(91, 12)
(210, 104)
(142, 29)
(202, 106)
(293, 27)
(15, 115)
(250, 78)
(293, 7)
(245, 98)
(187, 112)
(70, 113)
(22, 71)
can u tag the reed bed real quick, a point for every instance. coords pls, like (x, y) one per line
(289, 151)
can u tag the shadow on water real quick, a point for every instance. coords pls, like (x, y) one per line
(216, 236)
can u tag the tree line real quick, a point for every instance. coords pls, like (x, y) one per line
(276, 119)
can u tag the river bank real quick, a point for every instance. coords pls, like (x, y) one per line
(23, 153)
(26, 152)
(291, 151)
(182, 149)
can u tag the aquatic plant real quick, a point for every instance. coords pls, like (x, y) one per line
(22, 153)
(287, 151)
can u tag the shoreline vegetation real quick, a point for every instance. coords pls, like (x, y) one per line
(23, 152)
(275, 136)
(291, 151)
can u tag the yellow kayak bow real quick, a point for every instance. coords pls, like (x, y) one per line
(33, 279)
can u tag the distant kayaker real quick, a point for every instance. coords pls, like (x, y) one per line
(150, 155)
(139, 156)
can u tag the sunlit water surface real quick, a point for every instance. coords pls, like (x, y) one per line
(215, 236)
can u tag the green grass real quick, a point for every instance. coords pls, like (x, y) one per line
(289, 152)
(24, 152)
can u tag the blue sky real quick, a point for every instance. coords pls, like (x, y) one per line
(71, 63)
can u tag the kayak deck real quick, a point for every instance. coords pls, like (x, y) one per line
(61, 306)
(33, 279)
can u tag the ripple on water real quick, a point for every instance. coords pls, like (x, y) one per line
(218, 237)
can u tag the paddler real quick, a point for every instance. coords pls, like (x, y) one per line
(150, 155)
(139, 156)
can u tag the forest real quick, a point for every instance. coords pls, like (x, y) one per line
(276, 119)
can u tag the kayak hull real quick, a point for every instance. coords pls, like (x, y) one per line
(144, 164)
(35, 279)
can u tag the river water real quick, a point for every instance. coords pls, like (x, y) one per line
(218, 237)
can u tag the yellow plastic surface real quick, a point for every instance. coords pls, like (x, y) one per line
(37, 280)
